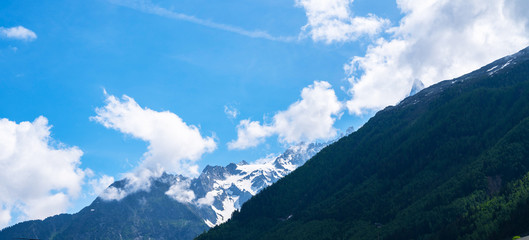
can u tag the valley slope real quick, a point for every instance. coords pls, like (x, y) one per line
(450, 162)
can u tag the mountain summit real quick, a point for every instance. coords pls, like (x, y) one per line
(159, 212)
(222, 190)
(450, 162)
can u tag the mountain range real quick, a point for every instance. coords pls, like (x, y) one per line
(155, 214)
(222, 190)
(450, 162)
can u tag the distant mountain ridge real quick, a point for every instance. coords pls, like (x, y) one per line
(141, 215)
(154, 214)
(449, 162)
(225, 189)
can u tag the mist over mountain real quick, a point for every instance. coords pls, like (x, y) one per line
(159, 212)
(449, 162)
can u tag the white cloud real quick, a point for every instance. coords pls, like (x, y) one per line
(309, 119)
(113, 193)
(174, 146)
(250, 134)
(333, 21)
(42, 207)
(137, 180)
(19, 32)
(39, 176)
(436, 40)
(231, 111)
(180, 191)
(99, 185)
(208, 200)
(5, 217)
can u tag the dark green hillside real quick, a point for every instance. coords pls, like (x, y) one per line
(451, 162)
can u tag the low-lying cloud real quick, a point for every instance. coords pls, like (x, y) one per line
(40, 176)
(174, 146)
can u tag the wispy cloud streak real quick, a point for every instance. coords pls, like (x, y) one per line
(147, 6)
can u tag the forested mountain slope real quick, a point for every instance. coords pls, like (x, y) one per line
(451, 162)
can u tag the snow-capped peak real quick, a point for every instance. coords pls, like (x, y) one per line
(222, 190)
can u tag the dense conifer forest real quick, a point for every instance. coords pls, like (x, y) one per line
(451, 162)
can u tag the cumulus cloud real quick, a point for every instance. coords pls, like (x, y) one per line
(436, 40)
(309, 119)
(333, 21)
(250, 134)
(19, 32)
(174, 146)
(39, 176)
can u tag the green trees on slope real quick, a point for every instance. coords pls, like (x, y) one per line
(451, 162)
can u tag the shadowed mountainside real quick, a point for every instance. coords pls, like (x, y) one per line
(451, 162)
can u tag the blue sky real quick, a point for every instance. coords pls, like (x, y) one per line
(197, 58)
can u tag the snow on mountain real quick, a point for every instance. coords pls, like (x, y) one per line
(218, 191)
(222, 190)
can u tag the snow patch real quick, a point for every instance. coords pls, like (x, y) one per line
(495, 69)
(229, 190)
(228, 206)
(209, 223)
